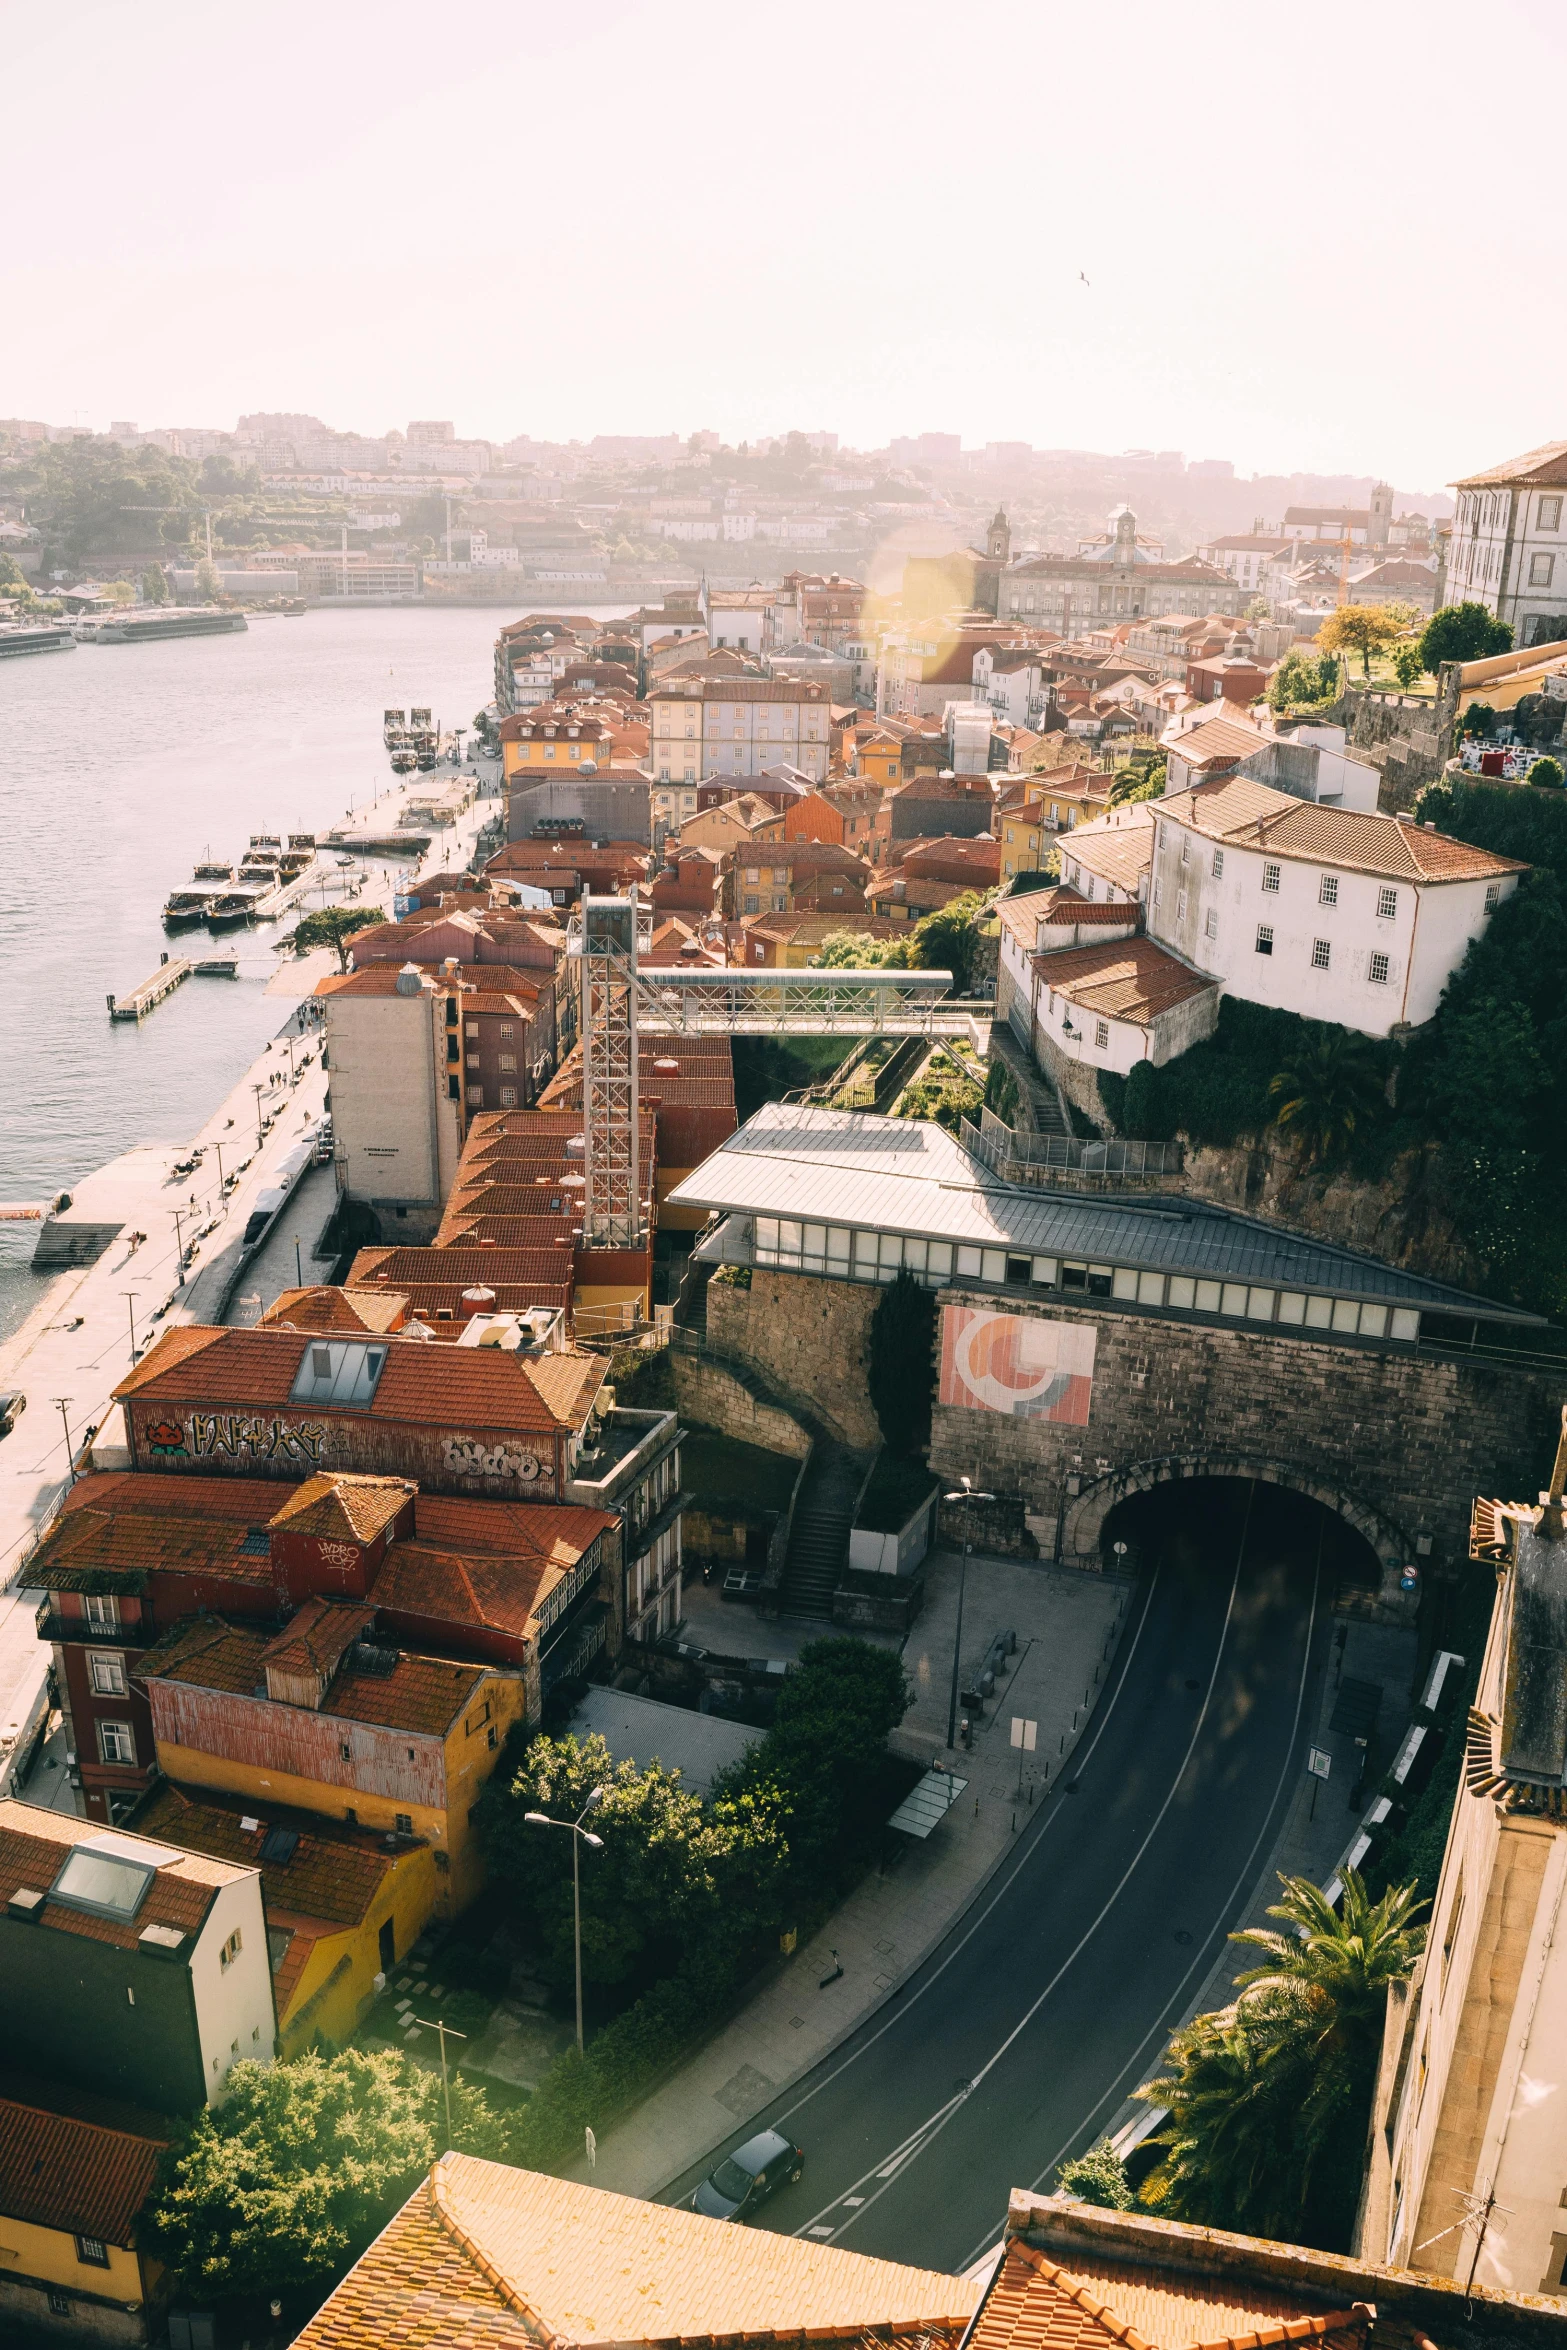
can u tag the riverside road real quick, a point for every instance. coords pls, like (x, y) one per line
(1053, 1997)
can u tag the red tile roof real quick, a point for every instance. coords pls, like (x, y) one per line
(422, 1695)
(34, 1844)
(82, 2165)
(1124, 979)
(1542, 468)
(1253, 815)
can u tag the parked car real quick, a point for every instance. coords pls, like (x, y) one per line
(744, 2180)
(12, 1405)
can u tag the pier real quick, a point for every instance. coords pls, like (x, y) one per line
(170, 974)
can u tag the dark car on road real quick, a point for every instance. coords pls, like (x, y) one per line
(744, 2180)
(13, 1403)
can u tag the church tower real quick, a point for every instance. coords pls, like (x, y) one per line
(1381, 515)
(998, 542)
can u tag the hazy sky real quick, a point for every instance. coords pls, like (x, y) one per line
(1318, 238)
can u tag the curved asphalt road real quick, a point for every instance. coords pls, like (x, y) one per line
(1052, 1997)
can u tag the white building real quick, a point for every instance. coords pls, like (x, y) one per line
(1508, 549)
(1326, 912)
(1245, 555)
(394, 1043)
(738, 726)
(1012, 682)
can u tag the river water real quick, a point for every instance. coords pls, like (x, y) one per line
(119, 765)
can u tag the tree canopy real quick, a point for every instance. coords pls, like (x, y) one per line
(1463, 632)
(287, 2181)
(335, 926)
(1331, 1084)
(947, 939)
(858, 950)
(1358, 628)
(902, 1334)
(1299, 679)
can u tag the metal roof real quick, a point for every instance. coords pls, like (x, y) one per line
(909, 1176)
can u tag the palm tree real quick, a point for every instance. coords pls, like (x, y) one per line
(1343, 1959)
(1332, 1084)
(1227, 2150)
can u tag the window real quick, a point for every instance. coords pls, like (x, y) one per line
(1264, 939)
(102, 1608)
(1540, 569)
(405, 1823)
(107, 1674)
(91, 2253)
(507, 1061)
(1327, 895)
(1550, 514)
(1102, 1034)
(508, 1097)
(1387, 905)
(476, 1096)
(231, 1949)
(1180, 906)
(1377, 970)
(1270, 877)
(1218, 864)
(1321, 954)
(116, 1742)
(59, 2303)
(1211, 923)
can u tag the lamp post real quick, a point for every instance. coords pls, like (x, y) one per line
(965, 1494)
(258, 1091)
(179, 1246)
(64, 1401)
(579, 1836)
(129, 1296)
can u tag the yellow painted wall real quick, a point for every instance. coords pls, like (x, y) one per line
(31, 2251)
(408, 1897)
(676, 1219)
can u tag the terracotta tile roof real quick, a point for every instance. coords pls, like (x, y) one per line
(81, 2165)
(333, 1873)
(1060, 909)
(482, 2254)
(1217, 738)
(1035, 2304)
(408, 1268)
(1119, 854)
(120, 1538)
(317, 1636)
(419, 1384)
(33, 1847)
(1544, 468)
(1125, 979)
(321, 1309)
(335, 1504)
(422, 1694)
(1253, 815)
(462, 1586)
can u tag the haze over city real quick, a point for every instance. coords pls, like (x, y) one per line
(869, 218)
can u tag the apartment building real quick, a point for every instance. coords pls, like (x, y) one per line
(1508, 549)
(792, 877)
(1328, 912)
(737, 726)
(397, 1077)
(75, 2173)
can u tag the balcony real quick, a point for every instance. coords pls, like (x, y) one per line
(53, 1626)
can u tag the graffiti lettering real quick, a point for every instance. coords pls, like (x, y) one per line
(464, 1456)
(257, 1439)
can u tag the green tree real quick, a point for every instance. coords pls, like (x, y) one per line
(857, 950)
(947, 939)
(289, 2179)
(826, 1754)
(1463, 632)
(208, 585)
(902, 1332)
(1299, 681)
(674, 1876)
(1142, 778)
(1099, 2176)
(1479, 720)
(335, 926)
(1269, 2098)
(1332, 1085)
(1547, 773)
(1358, 628)
(1407, 664)
(155, 584)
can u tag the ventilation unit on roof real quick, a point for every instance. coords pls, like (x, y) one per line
(368, 1656)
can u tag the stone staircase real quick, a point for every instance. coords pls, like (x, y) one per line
(819, 1536)
(1039, 1107)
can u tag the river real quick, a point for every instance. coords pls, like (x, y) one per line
(119, 765)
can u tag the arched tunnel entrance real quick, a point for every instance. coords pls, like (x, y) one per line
(1358, 1549)
(1208, 1520)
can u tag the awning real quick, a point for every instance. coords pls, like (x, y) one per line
(927, 1803)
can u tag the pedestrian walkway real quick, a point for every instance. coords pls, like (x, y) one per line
(889, 1924)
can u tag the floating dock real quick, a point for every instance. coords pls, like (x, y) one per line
(217, 967)
(170, 974)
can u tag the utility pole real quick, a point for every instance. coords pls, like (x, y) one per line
(62, 1401)
(965, 1494)
(442, 2031)
(258, 1091)
(129, 1296)
(179, 1244)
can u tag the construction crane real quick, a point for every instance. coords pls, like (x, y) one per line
(622, 1001)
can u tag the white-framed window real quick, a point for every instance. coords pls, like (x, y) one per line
(1270, 877)
(1550, 514)
(231, 1949)
(116, 1742)
(1540, 569)
(1211, 923)
(506, 1061)
(1377, 970)
(476, 1096)
(91, 2253)
(1327, 895)
(107, 1673)
(1321, 954)
(1218, 864)
(1387, 905)
(101, 1608)
(1264, 939)
(1158, 892)
(508, 1097)
(1102, 1035)
(1493, 897)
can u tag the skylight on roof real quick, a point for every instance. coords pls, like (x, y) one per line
(339, 1371)
(108, 1876)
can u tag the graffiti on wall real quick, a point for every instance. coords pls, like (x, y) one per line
(254, 1436)
(465, 1456)
(1022, 1365)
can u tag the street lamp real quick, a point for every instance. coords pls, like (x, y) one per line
(579, 1836)
(965, 1493)
(129, 1296)
(258, 1091)
(64, 1401)
(179, 1246)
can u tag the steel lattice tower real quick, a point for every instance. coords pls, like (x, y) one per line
(612, 1194)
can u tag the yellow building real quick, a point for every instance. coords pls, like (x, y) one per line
(395, 1742)
(75, 2171)
(341, 1908)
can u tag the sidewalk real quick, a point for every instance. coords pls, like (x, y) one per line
(890, 1923)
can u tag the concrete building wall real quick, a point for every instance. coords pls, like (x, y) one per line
(397, 1126)
(611, 807)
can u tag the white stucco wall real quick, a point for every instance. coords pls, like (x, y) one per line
(235, 2017)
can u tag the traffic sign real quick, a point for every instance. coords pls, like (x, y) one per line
(1024, 1734)
(1320, 1763)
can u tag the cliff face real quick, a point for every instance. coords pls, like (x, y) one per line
(1404, 1219)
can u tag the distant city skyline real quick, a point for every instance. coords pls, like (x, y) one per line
(869, 218)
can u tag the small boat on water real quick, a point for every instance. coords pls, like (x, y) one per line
(138, 627)
(238, 905)
(23, 636)
(212, 869)
(186, 907)
(403, 762)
